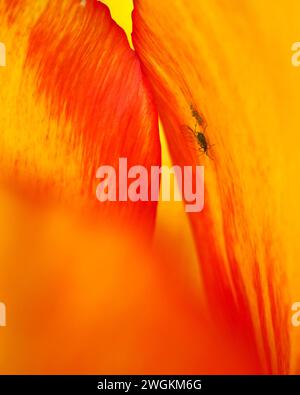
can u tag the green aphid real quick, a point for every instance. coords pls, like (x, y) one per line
(201, 140)
(200, 136)
(197, 116)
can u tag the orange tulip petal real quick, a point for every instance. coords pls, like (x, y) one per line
(73, 99)
(215, 57)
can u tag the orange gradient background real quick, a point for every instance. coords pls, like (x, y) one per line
(140, 288)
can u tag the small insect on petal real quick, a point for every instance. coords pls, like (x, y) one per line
(197, 116)
(201, 138)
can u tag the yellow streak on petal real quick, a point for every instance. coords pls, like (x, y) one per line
(121, 13)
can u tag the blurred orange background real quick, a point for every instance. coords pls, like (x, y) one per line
(139, 288)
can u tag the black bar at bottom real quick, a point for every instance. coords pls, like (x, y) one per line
(130, 384)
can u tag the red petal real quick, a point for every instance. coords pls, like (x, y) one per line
(74, 99)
